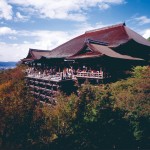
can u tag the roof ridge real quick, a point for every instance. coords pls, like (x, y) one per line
(38, 50)
(104, 28)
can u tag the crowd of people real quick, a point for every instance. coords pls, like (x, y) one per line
(43, 72)
(65, 73)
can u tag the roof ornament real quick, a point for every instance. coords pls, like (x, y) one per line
(124, 24)
(96, 42)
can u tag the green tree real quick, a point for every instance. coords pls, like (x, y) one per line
(133, 97)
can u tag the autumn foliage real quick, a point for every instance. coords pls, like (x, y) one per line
(110, 116)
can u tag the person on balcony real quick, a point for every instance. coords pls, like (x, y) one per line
(64, 73)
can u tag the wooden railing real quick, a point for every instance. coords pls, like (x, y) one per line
(39, 75)
(97, 75)
(90, 75)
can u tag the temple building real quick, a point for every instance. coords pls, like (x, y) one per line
(112, 48)
(101, 54)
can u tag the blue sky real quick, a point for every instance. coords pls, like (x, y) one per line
(45, 24)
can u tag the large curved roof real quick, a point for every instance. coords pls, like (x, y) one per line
(114, 36)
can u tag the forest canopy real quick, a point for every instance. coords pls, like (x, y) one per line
(110, 116)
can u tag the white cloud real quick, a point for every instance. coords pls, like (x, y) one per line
(26, 42)
(143, 20)
(40, 40)
(13, 52)
(6, 31)
(12, 37)
(20, 17)
(5, 10)
(146, 33)
(2, 22)
(87, 27)
(62, 9)
(104, 6)
(47, 39)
